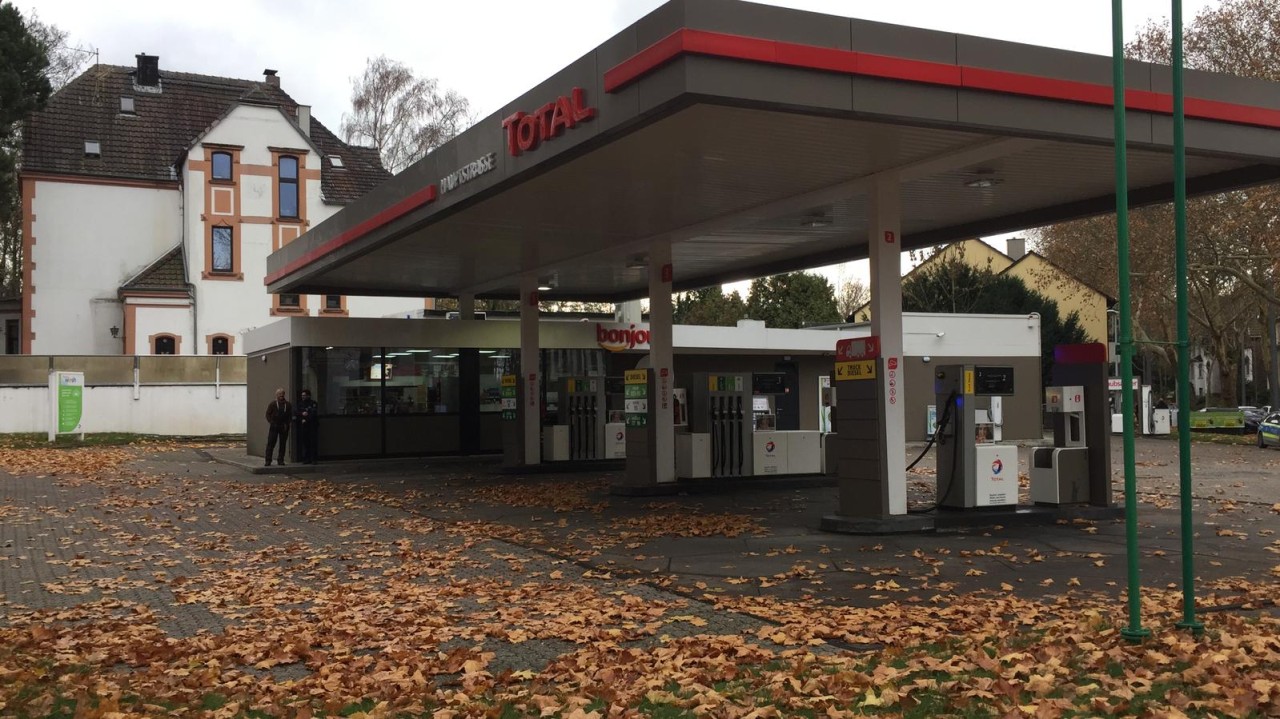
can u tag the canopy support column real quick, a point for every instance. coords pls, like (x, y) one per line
(886, 323)
(869, 446)
(530, 370)
(661, 356)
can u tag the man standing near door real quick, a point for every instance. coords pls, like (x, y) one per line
(279, 417)
(307, 412)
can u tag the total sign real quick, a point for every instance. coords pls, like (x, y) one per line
(526, 130)
(996, 475)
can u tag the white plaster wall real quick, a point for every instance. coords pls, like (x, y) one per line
(174, 320)
(383, 306)
(257, 128)
(164, 410)
(256, 193)
(90, 239)
(236, 307)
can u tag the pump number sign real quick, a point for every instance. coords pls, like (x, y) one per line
(861, 369)
(636, 397)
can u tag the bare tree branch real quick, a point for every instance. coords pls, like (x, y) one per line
(404, 116)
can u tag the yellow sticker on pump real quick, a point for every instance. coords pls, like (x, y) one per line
(636, 376)
(968, 381)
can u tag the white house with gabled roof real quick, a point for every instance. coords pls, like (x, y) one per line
(151, 200)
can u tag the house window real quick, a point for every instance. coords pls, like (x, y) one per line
(288, 186)
(222, 165)
(333, 302)
(165, 345)
(290, 301)
(11, 337)
(223, 250)
(220, 346)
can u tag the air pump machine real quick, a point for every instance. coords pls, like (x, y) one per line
(973, 470)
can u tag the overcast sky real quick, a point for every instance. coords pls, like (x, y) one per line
(492, 50)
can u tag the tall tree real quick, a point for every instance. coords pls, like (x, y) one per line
(709, 306)
(401, 114)
(66, 59)
(853, 294)
(793, 300)
(1232, 244)
(24, 88)
(953, 286)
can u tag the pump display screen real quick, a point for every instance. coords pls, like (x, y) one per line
(992, 381)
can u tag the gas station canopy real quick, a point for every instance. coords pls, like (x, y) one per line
(750, 138)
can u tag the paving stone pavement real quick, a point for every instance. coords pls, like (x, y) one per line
(173, 530)
(152, 531)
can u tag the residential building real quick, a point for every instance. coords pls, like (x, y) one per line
(1038, 273)
(151, 200)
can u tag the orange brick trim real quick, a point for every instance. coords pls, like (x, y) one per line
(324, 310)
(231, 342)
(177, 342)
(28, 312)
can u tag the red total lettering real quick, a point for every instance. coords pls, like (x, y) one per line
(509, 125)
(580, 110)
(525, 131)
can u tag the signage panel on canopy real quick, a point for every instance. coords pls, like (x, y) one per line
(858, 348)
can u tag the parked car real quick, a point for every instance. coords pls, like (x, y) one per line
(1253, 416)
(1269, 431)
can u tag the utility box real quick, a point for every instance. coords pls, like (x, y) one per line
(693, 455)
(804, 452)
(555, 443)
(1060, 474)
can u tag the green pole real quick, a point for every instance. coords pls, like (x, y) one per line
(1184, 332)
(1134, 632)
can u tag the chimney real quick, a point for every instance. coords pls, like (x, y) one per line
(1016, 248)
(148, 74)
(270, 77)
(304, 119)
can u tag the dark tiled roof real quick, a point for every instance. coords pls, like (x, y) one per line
(166, 274)
(146, 145)
(361, 171)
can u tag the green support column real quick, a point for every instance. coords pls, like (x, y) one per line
(1134, 632)
(1184, 333)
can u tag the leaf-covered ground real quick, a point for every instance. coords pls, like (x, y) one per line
(150, 582)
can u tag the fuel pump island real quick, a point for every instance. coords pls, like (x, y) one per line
(977, 478)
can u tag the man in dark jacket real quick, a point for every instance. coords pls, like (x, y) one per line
(307, 413)
(279, 418)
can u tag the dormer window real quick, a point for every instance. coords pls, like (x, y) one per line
(127, 107)
(92, 148)
(336, 161)
(221, 165)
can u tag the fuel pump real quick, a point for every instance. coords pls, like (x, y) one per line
(1060, 474)
(720, 407)
(582, 403)
(973, 469)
